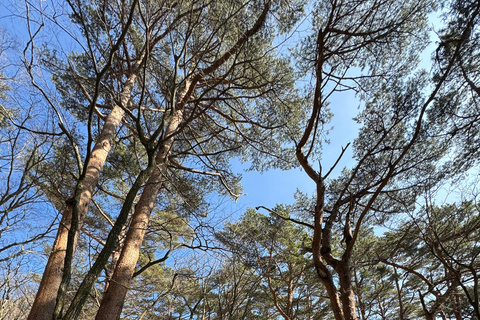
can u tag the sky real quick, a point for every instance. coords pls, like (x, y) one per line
(276, 186)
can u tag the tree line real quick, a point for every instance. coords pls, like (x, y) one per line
(120, 120)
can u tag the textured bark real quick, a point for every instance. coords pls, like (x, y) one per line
(115, 256)
(86, 285)
(346, 291)
(45, 300)
(113, 299)
(333, 297)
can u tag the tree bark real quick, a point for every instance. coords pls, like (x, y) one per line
(45, 300)
(115, 256)
(346, 290)
(113, 299)
(399, 294)
(44, 303)
(333, 297)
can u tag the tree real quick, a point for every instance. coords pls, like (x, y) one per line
(436, 250)
(139, 123)
(456, 111)
(201, 114)
(88, 171)
(23, 150)
(394, 155)
(274, 249)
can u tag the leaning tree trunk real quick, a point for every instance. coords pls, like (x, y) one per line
(113, 299)
(112, 302)
(45, 300)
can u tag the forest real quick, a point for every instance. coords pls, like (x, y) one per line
(125, 127)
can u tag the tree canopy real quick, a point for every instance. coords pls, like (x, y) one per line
(121, 124)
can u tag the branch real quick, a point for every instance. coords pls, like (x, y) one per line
(285, 218)
(336, 162)
(415, 135)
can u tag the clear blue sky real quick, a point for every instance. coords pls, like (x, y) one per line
(277, 186)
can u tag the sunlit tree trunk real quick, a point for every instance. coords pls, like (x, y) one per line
(45, 300)
(346, 291)
(44, 303)
(113, 299)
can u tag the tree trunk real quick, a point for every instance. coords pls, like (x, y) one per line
(115, 256)
(346, 291)
(399, 294)
(113, 299)
(361, 304)
(333, 297)
(322, 271)
(45, 300)
(456, 302)
(430, 316)
(291, 291)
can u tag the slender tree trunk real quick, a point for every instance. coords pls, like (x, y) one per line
(322, 271)
(291, 292)
(399, 294)
(115, 256)
(361, 304)
(45, 300)
(113, 299)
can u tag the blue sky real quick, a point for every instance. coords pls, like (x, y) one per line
(277, 186)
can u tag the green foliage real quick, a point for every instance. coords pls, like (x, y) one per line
(247, 101)
(456, 110)
(277, 251)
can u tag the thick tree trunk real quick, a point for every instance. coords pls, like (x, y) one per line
(456, 302)
(333, 297)
(45, 300)
(430, 316)
(113, 299)
(347, 295)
